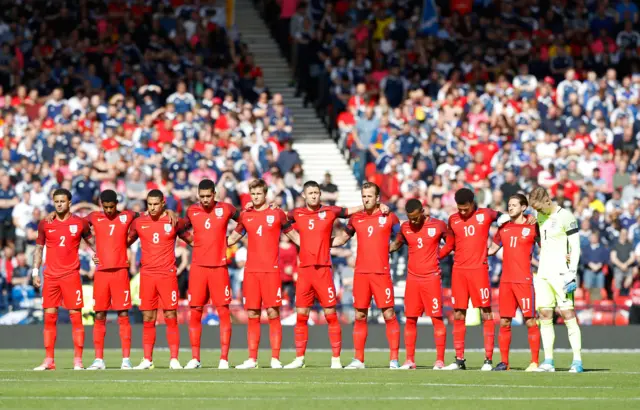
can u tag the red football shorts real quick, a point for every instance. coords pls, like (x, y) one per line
(423, 294)
(154, 287)
(377, 285)
(472, 284)
(514, 295)
(315, 282)
(209, 283)
(65, 291)
(262, 289)
(111, 290)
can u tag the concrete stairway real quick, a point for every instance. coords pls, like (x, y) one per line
(318, 152)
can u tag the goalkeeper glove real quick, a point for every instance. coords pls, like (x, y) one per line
(570, 284)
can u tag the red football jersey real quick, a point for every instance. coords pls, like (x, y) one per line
(469, 238)
(111, 238)
(315, 229)
(61, 240)
(157, 243)
(373, 235)
(424, 245)
(210, 233)
(517, 244)
(263, 231)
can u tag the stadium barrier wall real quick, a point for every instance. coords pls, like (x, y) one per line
(593, 337)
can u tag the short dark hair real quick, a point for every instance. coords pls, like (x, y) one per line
(369, 185)
(412, 206)
(155, 193)
(206, 185)
(521, 198)
(62, 191)
(464, 196)
(108, 195)
(310, 184)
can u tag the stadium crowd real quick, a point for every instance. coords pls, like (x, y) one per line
(137, 95)
(499, 97)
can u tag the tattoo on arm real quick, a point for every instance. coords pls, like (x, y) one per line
(37, 256)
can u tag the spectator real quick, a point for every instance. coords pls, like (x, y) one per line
(595, 258)
(623, 259)
(329, 190)
(8, 200)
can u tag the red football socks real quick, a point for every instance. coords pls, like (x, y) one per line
(148, 339)
(225, 331)
(49, 334)
(534, 343)
(360, 338)
(99, 330)
(173, 336)
(440, 337)
(489, 338)
(504, 340)
(275, 336)
(393, 337)
(125, 335)
(410, 337)
(459, 333)
(301, 334)
(253, 337)
(195, 332)
(78, 334)
(335, 334)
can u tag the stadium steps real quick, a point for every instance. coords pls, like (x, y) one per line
(318, 152)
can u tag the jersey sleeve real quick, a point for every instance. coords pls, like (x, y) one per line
(41, 234)
(449, 243)
(395, 224)
(285, 224)
(240, 227)
(443, 230)
(86, 229)
(497, 238)
(569, 223)
(350, 230)
(235, 214)
(493, 215)
(339, 211)
(132, 235)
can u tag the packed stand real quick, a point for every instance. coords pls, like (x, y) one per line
(497, 96)
(128, 96)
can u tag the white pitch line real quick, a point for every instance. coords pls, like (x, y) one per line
(324, 383)
(321, 398)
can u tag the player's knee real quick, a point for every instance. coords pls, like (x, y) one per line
(531, 322)
(546, 314)
(101, 315)
(459, 314)
(273, 313)
(568, 314)
(327, 311)
(170, 314)
(361, 315)
(122, 313)
(505, 322)
(306, 311)
(388, 313)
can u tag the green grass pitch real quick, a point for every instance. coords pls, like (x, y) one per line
(611, 380)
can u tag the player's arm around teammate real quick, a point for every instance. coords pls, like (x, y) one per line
(517, 239)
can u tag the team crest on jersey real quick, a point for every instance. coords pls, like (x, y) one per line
(382, 220)
(73, 229)
(480, 218)
(270, 219)
(167, 228)
(322, 215)
(219, 212)
(431, 232)
(123, 218)
(526, 231)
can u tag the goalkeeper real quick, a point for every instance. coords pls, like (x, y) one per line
(555, 282)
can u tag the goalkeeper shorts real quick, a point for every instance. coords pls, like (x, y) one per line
(550, 293)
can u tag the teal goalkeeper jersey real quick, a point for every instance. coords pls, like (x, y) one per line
(554, 243)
